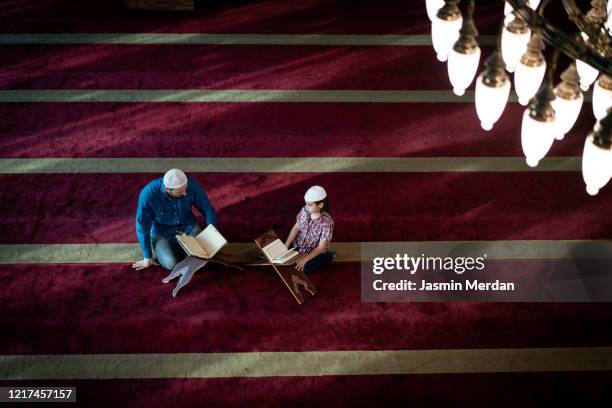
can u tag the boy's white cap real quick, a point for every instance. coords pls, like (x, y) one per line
(175, 178)
(315, 193)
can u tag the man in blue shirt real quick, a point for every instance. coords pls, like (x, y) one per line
(164, 211)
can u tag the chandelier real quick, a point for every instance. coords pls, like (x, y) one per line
(551, 111)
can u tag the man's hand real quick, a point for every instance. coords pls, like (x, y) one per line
(145, 263)
(299, 265)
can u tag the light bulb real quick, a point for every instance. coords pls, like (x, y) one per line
(490, 101)
(602, 96)
(530, 70)
(462, 69)
(534, 4)
(567, 111)
(596, 165)
(444, 33)
(527, 81)
(568, 100)
(536, 138)
(432, 7)
(515, 37)
(587, 73)
(507, 9)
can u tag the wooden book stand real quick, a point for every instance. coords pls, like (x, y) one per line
(190, 265)
(291, 277)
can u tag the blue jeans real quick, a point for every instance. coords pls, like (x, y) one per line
(168, 251)
(319, 261)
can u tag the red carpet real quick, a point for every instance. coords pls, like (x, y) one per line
(243, 130)
(109, 308)
(70, 208)
(219, 67)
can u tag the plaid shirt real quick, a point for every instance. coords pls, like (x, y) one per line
(313, 231)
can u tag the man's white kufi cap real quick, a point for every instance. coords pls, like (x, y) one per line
(315, 193)
(175, 178)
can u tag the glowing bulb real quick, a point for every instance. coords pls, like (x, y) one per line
(536, 138)
(444, 33)
(566, 112)
(432, 7)
(527, 81)
(602, 96)
(462, 69)
(490, 102)
(587, 74)
(513, 47)
(596, 166)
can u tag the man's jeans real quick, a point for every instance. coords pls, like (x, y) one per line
(168, 251)
(319, 261)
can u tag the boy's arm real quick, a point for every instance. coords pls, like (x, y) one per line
(294, 231)
(322, 247)
(326, 235)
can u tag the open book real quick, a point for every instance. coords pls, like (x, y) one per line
(279, 254)
(205, 245)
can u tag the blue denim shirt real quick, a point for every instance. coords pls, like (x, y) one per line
(161, 214)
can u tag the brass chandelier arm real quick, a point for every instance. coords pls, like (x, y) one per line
(575, 15)
(592, 24)
(568, 45)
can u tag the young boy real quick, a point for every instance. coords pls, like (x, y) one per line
(313, 231)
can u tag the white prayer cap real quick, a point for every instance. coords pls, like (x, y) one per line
(315, 193)
(175, 178)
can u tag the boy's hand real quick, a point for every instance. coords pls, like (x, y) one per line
(299, 265)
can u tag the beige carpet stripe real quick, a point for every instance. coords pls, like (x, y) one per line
(224, 39)
(347, 251)
(286, 164)
(311, 363)
(233, 95)
(239, 95)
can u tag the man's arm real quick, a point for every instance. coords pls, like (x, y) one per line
(202, 203)
(144, 221)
